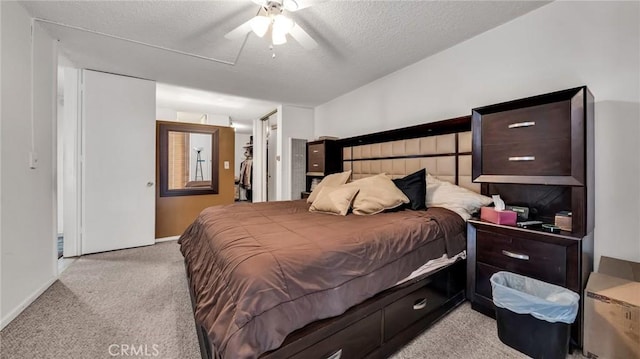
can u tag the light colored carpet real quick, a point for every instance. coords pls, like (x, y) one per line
(139, 297)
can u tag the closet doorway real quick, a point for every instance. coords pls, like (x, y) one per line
(272, 161)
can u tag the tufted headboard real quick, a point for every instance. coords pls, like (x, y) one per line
(443, 148)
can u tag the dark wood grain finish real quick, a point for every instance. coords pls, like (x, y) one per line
(324, 157)
(483, 283)
(449, 280)
(411, 308)
(554, 258)
(542, 260)
(454, 125)
(529, 124)
(316, 157)
(543, 201)
(546, 157)
(560, 179)
(162, 140)
(558, 139)
(354, 341)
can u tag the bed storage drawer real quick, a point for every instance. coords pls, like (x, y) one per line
(544, 261)
(415, 306)
(354, 341)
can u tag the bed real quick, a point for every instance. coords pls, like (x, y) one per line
(273, 280)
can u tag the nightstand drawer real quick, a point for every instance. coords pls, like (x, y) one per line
(536, 259)
(483, 276)
(316, 158)
(316, 152)
(315, 166)
(528, 158)
(528, 124)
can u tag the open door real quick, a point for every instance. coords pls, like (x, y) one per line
(118, 201)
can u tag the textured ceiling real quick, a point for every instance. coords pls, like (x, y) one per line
(359, 41)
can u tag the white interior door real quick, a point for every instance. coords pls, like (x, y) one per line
(118, 199)
(272, 163)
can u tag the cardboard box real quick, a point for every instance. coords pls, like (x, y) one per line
(498, 217)
(612, 310)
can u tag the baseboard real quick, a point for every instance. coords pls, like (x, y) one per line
(167, 239)
(25, 303)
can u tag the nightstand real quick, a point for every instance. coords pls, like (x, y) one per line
(323, 158)
(304, 195)
(550, 257)
(538, 153)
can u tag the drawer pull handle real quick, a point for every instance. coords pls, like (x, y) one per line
(523, 158)
(522, 124)
(315, 165)
(335, 355)
(315, 151)
(420, 304)
(523, 257)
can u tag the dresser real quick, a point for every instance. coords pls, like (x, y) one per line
(324, 157)
(535, 152)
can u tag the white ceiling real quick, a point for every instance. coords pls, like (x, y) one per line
(242, 110)
(359, 41)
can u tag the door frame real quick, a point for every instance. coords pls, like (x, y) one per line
(72, 163)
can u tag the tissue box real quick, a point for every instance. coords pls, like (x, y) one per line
(490, 214)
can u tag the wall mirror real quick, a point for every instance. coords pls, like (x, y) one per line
(188, 159)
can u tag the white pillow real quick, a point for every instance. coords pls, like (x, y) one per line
(455, 198)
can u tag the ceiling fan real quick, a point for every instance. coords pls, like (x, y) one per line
(272, 17)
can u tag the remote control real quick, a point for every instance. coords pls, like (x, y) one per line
(528, 223)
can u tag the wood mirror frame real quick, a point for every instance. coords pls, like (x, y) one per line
(162, 131)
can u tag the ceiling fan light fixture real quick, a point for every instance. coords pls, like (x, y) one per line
(278, 38)
(282, 24)
(260, 25)
(290, 5)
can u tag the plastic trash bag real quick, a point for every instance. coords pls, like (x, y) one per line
(524, 295)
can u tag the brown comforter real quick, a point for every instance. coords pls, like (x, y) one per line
(260, 271)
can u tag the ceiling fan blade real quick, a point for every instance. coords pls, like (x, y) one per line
(239, 31)
(295, 5)
(303, 38)
(260, 2)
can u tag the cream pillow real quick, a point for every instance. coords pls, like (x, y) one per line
(376, 194)
(335, 179)
(455, 198)
(334, 200)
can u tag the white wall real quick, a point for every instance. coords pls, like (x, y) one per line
(293, 122)
(218, 120)
(28, 216)
(558, 46)
(166, 114)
